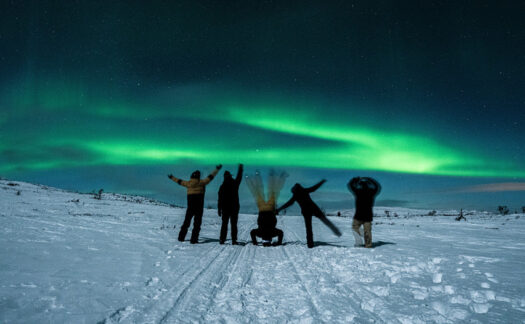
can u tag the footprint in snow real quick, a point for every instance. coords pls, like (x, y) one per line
(152, 281)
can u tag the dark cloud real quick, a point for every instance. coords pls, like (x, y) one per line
(495, 187)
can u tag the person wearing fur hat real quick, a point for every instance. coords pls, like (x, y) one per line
(196, 188)
(228, 204)
(309, 208)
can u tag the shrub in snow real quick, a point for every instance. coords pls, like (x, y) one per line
(503, 210)
(99, 194)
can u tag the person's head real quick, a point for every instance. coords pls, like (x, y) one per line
(227, 175)
(363, 182)
(196, 174)
(296, 188)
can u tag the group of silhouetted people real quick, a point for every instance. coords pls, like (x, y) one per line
(364, 189)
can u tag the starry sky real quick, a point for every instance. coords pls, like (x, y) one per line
(425, 97)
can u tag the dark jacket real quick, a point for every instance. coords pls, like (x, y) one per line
(365, 191)
(229, 193)
(302, 196)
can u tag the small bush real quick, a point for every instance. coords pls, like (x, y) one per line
(99, 194)
(460, 216)
(503, 210)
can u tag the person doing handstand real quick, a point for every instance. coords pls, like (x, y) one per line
(266, 220)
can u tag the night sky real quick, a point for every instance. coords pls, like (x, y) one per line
(427, 97)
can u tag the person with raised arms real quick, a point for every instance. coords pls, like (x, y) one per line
(196, 187)
(309, 208)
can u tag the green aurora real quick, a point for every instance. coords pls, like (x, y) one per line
(426, 97)
(85, 130)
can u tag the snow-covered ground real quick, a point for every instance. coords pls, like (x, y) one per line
(69, 258)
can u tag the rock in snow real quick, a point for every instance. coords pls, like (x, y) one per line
(70, 258)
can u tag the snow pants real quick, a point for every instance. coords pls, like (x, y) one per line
(232, 217)
(308, 224)
(194, 210)
(367, 226)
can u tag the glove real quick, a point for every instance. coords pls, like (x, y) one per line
(170, 176)
(219, 166)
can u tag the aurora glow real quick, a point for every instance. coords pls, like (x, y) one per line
(320, 95)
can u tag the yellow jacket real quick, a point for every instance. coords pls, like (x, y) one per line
(196, 186)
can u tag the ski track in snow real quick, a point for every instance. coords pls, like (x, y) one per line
(66, 257)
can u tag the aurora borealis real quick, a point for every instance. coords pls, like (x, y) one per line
(427, 98)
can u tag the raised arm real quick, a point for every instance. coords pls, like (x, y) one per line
(375, 186)
(286, 205)
(212, 175)
(177, 180)
(315, 187)
(353, 184)
(238, 178)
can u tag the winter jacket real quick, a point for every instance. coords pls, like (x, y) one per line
(301, 195)
(229, 193)
(196, 186)
(365, 194)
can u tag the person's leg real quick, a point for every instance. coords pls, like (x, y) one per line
(267, 234)
(224, 228)
(254, 233)
(197, 221)
(233, 220)
(356, 224)
(186, 224)
(368, 234)
(309, 233)
(319, 214)
(279, 235)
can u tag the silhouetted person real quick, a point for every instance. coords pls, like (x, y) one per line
(196, 189)
(365, 191)
(301, 195)
(267, 220)
(228, 204)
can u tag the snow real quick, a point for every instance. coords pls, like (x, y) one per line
(70, 258)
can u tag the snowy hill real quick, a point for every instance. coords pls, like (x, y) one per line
(70, 258)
